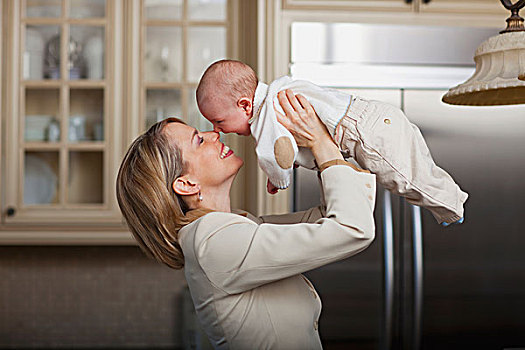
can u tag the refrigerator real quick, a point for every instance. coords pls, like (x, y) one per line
(420, 285)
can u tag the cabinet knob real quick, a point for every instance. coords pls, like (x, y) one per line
(10, 211)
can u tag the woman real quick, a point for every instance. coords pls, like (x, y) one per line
(244, 273)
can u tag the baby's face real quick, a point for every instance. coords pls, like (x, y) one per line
(226, 117)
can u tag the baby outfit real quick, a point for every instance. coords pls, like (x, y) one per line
(378, 136)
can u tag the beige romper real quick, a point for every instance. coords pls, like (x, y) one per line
(381, 139)
(376, 134)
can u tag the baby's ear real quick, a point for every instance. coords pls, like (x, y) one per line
(246, 104)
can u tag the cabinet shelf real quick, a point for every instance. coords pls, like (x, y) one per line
(86, 146)
(59, 21)
(163, 85)
(165, 22)
(41, 146)
(48, 83)
(56, 146)
(55, 83)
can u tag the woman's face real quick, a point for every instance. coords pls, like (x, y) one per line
(209, 161)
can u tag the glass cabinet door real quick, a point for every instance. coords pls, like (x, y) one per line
(180, 38)
(58, 150)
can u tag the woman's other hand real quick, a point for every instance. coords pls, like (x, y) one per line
(270, 188)
(306, 127)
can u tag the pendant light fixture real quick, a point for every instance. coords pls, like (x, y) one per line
(499, 78)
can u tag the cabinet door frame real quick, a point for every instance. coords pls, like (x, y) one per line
(488, 7)
(70, 216)
(361, 5)
(2, 110)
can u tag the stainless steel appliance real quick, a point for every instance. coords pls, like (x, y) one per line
(420, 285)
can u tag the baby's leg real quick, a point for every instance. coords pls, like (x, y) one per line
(380, 138)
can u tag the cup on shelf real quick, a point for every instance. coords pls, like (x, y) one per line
(53, 131)
(77, 128)
(98, 131)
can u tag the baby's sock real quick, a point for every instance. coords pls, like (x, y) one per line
(460, 221)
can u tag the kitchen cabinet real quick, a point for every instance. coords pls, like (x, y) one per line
(367, 5)
(82, 80)
(63, 109)
(490, 7)
(430, 6)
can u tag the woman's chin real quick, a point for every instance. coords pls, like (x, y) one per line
(240, 163)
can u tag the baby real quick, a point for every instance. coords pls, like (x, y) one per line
(378, 136)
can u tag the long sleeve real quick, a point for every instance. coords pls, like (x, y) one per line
(238, 254)
(310, 215)
(275, 147)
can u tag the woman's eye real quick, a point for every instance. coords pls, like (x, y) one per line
(201, 140)
(219, 122)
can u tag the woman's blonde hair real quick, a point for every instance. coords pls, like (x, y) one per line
(153, 211)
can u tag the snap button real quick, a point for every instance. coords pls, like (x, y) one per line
(368, 186)
(316, 325)
(370, 197)
(387, 121)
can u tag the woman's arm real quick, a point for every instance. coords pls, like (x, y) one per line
(310, 215)
(237, 254)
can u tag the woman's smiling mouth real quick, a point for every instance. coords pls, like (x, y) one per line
(225, 152)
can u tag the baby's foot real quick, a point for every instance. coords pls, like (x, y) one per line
(460, 221)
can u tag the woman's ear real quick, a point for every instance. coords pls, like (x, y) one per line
(246, 104)
(185, 187)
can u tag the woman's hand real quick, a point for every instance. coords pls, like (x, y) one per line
(301, 119)
(306, 127)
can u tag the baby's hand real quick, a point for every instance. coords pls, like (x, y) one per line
(271, 188)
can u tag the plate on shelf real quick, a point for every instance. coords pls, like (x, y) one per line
(36, 127)
(40, 181)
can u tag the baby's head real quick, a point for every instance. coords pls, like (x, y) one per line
(225, 96)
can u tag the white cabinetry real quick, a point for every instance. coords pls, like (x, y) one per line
(489, 7)
(80, 81)
(367, 5)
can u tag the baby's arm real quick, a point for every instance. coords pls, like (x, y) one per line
(275, 148)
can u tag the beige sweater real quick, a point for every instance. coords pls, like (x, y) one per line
(244, 273)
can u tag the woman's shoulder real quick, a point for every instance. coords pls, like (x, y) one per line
(215, 221)
(218, 217)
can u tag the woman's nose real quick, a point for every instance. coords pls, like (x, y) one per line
(212, 135)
